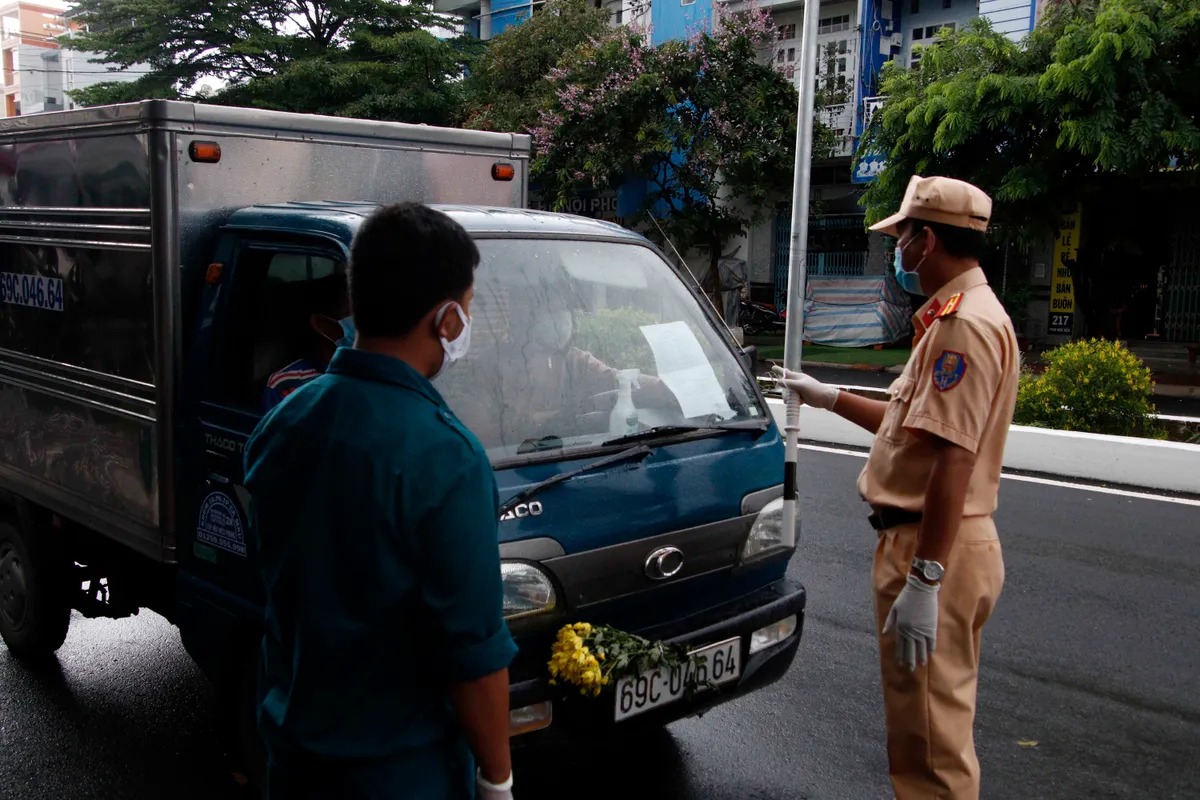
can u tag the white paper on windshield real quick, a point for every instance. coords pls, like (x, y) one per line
(684, 368)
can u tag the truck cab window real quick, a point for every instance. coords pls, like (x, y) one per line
(285, 308)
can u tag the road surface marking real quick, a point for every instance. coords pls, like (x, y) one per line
(1183, 501)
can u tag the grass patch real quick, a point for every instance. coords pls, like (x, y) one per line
(841, 355)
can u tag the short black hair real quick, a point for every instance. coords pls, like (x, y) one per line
(325, 296)
(958, 242)
(404, 260)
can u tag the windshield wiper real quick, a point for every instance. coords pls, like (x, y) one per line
(673, 430)
(639, 452)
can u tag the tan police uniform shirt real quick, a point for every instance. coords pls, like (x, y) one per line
(960, 384)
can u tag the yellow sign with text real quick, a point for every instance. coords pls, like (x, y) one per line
(1062, 288)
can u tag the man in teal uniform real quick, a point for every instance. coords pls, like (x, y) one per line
(385, 660)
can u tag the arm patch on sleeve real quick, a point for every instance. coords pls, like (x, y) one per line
(949, 370)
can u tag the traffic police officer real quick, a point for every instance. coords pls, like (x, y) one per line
(932, 480)
(385, 659)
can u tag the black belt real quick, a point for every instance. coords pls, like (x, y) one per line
(886, 517)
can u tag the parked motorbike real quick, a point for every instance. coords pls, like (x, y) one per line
(761, 319)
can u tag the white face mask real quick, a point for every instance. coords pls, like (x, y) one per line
(453, 350)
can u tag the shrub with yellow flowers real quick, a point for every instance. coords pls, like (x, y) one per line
(1092, 385)
(590, 657)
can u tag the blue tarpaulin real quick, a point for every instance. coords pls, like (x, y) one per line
(855, 311)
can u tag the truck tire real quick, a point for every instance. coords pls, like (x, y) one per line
(35, 603)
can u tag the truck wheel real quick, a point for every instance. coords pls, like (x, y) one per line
(35, 608)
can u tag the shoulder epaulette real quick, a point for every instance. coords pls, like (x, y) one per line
(951, 306)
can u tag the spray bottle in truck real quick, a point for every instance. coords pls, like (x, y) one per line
(159, 263)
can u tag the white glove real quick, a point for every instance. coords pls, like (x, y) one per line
(492, 791)
(811, 390)
(914, 618)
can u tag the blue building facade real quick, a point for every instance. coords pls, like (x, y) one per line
(676, 19)
(506, 13)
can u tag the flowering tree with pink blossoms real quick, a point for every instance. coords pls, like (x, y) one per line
(704, 122)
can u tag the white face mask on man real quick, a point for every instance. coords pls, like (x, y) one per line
(453, 350)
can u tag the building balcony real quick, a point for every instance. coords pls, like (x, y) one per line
(840, 119)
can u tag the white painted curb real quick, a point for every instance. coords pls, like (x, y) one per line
(1171, 466)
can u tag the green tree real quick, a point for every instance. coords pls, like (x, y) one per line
(704, 123)
(1097, 107)
(365, 58)
(508, 83)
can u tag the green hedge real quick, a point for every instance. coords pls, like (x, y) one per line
(1094, 386)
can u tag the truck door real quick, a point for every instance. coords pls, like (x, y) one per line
(261, 344)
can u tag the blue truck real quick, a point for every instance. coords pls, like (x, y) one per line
(158, 262)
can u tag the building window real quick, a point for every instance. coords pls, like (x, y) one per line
(915, 8)
(843, 46)
(791, 54)
(841, 65)
(930, 31)
(834, 24)
(787, 32)
(779, 57)
(947, 3)
(926, 34)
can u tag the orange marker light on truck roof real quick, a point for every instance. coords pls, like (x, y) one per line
(503, 172)
(205, 152)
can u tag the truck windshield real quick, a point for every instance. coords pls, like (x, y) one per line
(575, 343)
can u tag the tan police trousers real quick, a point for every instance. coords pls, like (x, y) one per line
(931, 712)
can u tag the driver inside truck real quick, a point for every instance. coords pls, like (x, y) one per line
(541, 375)
(324, 326)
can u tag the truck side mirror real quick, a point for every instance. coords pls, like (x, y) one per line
(750, 358)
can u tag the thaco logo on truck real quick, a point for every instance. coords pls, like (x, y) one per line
(222, 443)
(533, 509)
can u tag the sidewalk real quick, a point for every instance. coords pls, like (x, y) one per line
(1174, 375)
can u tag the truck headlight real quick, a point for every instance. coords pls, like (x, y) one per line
(772, 634)
(527, 590)
(766, 534)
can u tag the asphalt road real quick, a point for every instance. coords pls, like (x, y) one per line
(1092, 653)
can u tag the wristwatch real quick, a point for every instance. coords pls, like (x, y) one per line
(931, 571)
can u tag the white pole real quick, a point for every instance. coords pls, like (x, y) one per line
(798, 259)
(485, 20)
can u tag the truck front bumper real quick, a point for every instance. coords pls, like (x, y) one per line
(577, 716)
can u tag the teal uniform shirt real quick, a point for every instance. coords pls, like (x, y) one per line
(375, 514)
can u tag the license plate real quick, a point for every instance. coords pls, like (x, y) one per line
(35, 291)
(636, 694)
